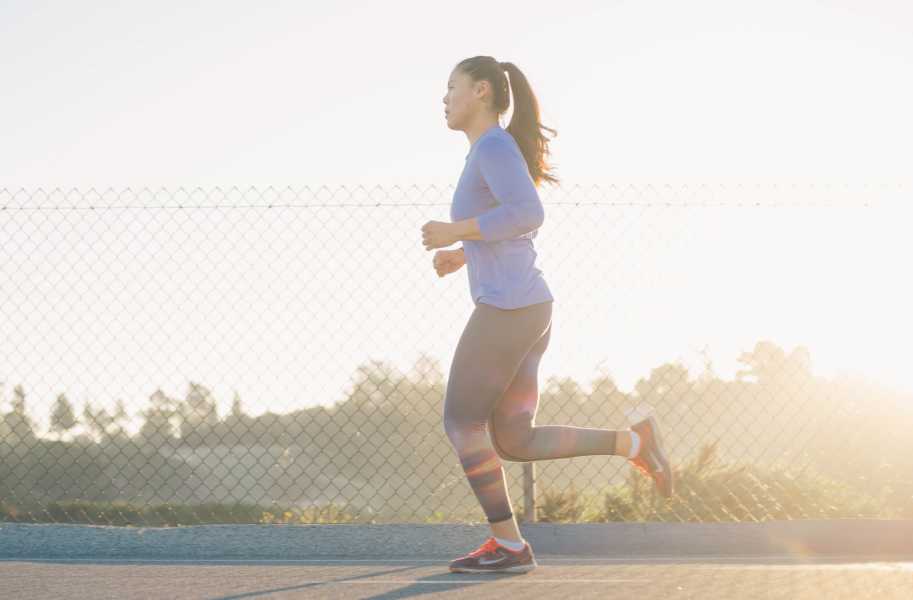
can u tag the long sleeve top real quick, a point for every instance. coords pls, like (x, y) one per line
(496, 187)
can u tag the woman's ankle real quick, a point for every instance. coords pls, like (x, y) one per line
(627, 443)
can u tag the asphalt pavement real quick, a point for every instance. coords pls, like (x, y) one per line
(855, 559)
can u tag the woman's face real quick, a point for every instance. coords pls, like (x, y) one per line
(463, 99)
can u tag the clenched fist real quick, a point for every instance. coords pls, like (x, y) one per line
(438, 234)
(448, 261)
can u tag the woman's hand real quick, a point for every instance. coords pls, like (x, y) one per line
(448, 261)
(437, 234)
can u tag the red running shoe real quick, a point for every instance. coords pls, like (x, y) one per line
(492, 557)
(651, 459)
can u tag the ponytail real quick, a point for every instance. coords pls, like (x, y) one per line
(524, 123)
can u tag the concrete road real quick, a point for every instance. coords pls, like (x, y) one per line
(824, 560)
(556, 577)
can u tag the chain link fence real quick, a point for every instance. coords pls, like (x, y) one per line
(278, 355)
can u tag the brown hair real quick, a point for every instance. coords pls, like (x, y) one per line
(524, 123)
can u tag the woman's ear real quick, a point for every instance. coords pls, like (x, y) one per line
(481, 88)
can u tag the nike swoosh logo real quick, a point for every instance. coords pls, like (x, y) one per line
(482, 561)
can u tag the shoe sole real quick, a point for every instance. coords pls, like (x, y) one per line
(515, 569)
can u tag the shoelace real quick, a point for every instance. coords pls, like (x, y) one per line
(490, 545)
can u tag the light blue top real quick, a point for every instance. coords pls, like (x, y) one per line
(496, 187)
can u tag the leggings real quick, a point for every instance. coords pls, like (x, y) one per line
(493, 388)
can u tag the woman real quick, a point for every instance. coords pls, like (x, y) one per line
(492, 387)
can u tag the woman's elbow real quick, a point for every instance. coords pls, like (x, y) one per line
(537, 217)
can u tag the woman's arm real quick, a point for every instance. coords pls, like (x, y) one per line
(519, 210)
(468, 229)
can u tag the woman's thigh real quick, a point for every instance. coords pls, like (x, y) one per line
(490, 352)
(514, 415)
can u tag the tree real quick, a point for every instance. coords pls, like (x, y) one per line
(20, 426)
(236, 411)
(97, 421)
(769, 364)
(159, 425)
(119, 419)
(199, 415)
(62, 417)
(666, 384)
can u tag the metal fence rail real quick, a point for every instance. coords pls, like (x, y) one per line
(180, 356)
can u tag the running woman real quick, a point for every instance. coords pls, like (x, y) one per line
(492, 387)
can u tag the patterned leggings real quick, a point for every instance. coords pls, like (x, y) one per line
(493, 387)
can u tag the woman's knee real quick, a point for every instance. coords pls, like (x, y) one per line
(512, 438)
(466, 411)
(514, 452)
(461, 430)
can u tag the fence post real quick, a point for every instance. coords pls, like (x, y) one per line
(529, 492)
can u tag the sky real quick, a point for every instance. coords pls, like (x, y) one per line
(287, 93)
(663, 96)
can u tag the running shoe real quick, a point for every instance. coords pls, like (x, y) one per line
(651, 459)
(492, 557)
